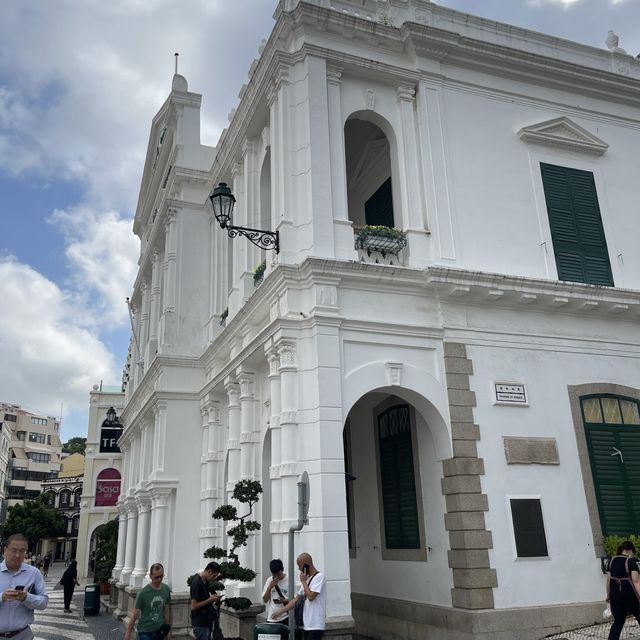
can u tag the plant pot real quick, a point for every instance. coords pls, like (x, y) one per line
(392, 242)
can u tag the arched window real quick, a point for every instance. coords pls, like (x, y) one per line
(65, 499)
(50, 498)
(612, 431)
(107, 488)
(77, 494)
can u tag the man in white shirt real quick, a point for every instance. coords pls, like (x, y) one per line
(314, 588)
(274, 592)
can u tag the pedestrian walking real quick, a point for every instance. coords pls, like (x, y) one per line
(153, 606)
(22, 588)
(623, 586)
(69, 582)
(46, 563)
(38, 561)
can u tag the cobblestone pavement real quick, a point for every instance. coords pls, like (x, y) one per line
(54, 624)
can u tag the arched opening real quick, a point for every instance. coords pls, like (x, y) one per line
(369, 172)
(395, 506)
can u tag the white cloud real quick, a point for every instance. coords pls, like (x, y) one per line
(102, 252)
(49, 355)
(85, 79)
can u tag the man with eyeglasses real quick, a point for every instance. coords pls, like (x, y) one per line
(153, 606)
(22, 589)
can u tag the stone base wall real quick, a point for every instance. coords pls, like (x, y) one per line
(389, 619)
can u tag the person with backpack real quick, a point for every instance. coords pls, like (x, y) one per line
(274, 591)
(623, 587)
(69, 582)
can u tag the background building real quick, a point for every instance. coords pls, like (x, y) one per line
(103, 466)
(35, 451)
(5, 453)
(63, 493)
(462, 390)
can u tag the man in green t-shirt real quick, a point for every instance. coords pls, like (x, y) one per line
(152, 606)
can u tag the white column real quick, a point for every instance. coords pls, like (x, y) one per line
(278, 542)
(154, 306)
(247, 405)
(279, 128)
(158, 550)
(251, 189)
(132, 532)
(289, 432)
(167, 323)
(143, 332)
(343, 231)
(122, 537)
(233, 411)
(139, 572)
(412, 182)
(210, 495)
(159, 436)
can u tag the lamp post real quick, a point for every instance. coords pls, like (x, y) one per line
(223, 201)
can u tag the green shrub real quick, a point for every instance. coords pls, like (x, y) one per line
(611, 543)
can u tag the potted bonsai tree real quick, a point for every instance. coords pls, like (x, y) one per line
(246, 492)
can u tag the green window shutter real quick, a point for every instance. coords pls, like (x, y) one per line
(399, 503)
(613, 442)
(578, 237)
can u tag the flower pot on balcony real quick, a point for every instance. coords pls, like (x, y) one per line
(384, 240)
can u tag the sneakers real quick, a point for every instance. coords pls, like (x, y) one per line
(67, 610)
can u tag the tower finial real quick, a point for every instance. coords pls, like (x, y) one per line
(176, 56)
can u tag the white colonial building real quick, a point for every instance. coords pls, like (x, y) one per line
(463, 395)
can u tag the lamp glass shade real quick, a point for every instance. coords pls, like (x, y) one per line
(111, 415)
(222, 201)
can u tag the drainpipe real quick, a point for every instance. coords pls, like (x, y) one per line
(302, 520)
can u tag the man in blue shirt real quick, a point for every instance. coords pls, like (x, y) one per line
(22, 589)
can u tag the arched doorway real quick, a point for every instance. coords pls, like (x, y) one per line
(398, 543)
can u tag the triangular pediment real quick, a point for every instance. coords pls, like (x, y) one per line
(563, 132)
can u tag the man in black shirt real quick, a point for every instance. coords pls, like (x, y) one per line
(203, 613)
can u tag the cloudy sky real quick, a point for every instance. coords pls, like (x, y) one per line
(80, 81)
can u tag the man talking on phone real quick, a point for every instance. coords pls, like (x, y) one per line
(314, 589)
(22, 588)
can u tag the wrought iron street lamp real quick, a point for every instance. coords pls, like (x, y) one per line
(112, 417)
(223, 201)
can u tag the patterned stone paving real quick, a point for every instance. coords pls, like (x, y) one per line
(54, 624)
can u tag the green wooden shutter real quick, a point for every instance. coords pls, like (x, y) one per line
(578, 237)
(399, 501)
(616, 516)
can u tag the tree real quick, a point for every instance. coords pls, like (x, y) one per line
(75, 445)
(106, 551)
(245, 492)
(33, 520)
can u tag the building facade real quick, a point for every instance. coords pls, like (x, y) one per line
(103, 467)
(63, 494)
(5, 453)
(463, 391)
(35, 452)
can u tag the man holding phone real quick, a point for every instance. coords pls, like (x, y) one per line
(314, 589)
(22, 588)
(274, 593)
